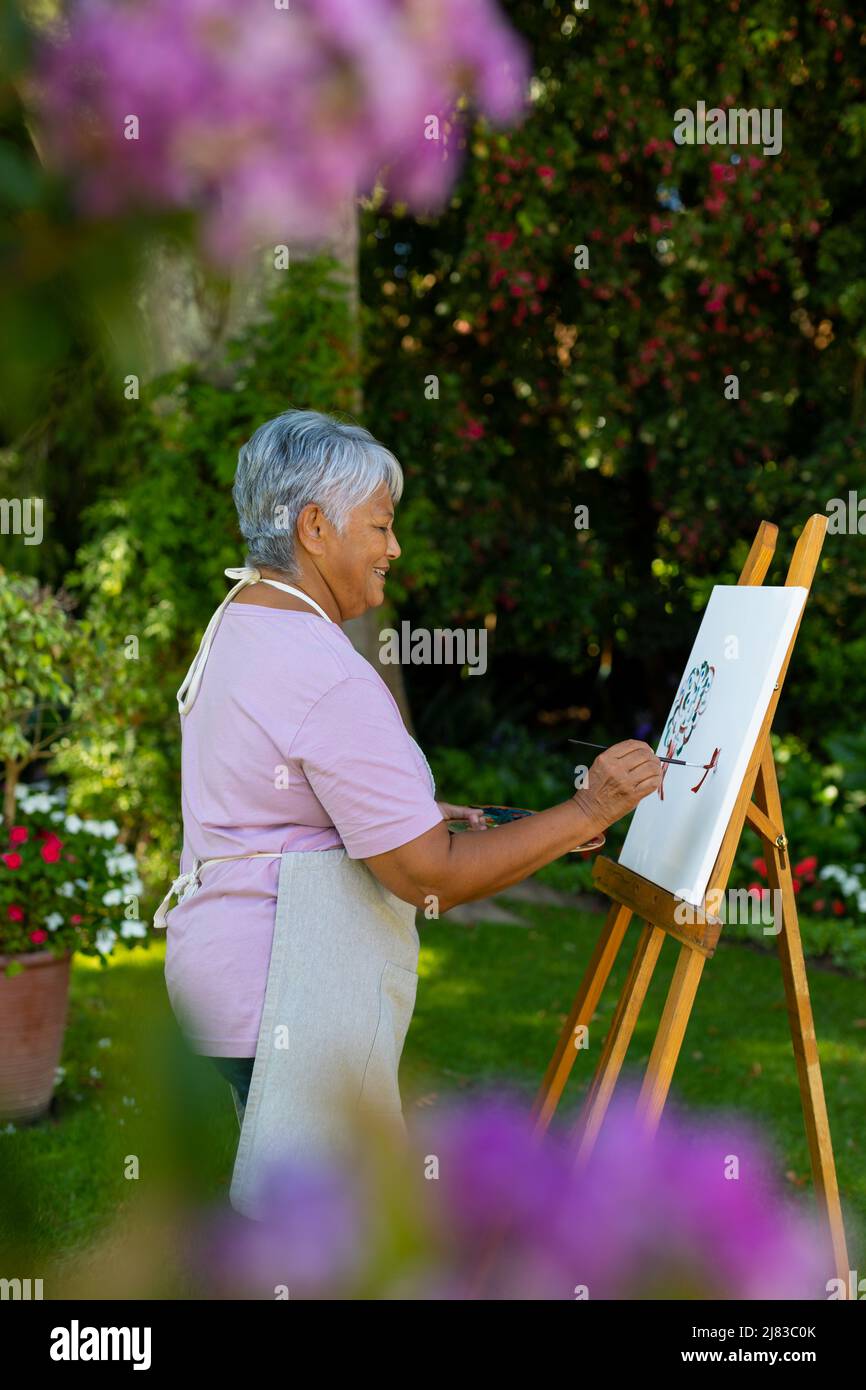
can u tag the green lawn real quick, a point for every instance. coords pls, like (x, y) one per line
(490, 1005)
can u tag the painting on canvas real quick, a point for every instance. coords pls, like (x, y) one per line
(716, 716)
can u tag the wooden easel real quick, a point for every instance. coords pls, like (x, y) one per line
(758, 803)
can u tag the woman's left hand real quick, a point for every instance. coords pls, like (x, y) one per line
(472, 814)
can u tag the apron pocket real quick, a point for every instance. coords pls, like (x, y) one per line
(397, 989)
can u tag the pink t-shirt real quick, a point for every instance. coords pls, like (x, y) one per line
(294, 742)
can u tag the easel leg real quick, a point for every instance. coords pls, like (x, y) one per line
(800, 1018)
(582, 1010)
(669, 1038)
(619, 1036)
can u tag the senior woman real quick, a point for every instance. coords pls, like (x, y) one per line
(311, 828)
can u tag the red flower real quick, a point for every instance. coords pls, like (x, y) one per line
(797, 884)
(838, 907)
(15, 913)
(12, 861)
(18, 834)
(50, 851)
(76, 918)
(501, 239)
(39, 936)
(722, 173)
(760, 866)
(819, 904)
(806, 868)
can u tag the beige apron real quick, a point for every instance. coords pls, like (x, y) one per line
(339, 997)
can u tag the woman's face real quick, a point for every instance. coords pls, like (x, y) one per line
(356, 563)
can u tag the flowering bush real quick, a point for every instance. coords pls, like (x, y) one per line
(267, 120)
(66, 884)
(831, 891)
(848, 898)
(485, 1210)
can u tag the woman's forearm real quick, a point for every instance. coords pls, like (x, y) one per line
(482, 863)
(439, 870)
(451, 869)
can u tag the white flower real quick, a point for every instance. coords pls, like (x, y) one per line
(133, 927)
(109, 829)
(54, 920)
(92, 827)
(104, 1042)
(861, 901)
(134, 887)
(113, 898)
(56, 816)
(82, 883)
(73, 824)
(105, 939)
(40, 802)
(124, 864)
(67, 890)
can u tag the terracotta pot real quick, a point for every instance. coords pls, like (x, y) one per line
(33, 1008)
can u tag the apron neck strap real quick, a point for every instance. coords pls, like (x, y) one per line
(299, 593)
(244, 574)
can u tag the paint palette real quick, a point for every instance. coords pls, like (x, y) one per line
(502, 815)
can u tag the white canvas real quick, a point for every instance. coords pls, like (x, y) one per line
(721, 701)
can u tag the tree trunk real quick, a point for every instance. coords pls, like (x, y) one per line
(11, 773)
(363, 632)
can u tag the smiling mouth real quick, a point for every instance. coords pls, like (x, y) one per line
(381, 573)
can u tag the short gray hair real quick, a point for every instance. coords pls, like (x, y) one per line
(301, 457)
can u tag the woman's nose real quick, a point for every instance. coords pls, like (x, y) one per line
(393, 552)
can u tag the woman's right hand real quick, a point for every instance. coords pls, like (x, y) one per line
(619, 778)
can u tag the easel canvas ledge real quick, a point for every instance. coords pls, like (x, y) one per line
(758, 803)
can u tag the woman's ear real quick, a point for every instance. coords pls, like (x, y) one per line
(310, 525)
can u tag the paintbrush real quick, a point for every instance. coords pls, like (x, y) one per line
(679, 762)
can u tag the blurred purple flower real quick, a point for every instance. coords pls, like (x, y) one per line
(694, 1213)
(313, 1240)
(262, 120)
(643, 1218)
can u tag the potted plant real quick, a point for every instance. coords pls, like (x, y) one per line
(66, 883)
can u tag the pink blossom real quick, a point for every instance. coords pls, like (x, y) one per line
(18, 835)
(264, 121)
(15, 913)
(12, 861)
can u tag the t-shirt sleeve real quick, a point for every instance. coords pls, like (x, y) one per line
(354, 750)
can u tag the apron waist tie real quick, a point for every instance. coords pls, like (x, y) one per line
(188, 884)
